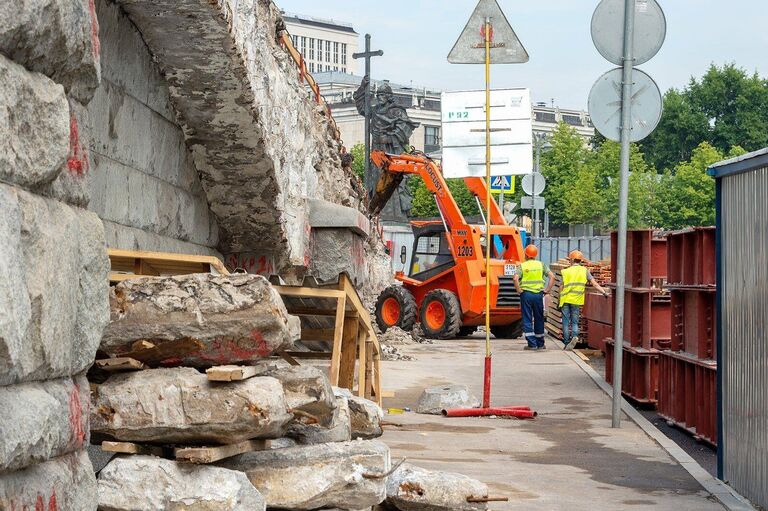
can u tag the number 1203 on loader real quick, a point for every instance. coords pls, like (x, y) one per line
(445, 287)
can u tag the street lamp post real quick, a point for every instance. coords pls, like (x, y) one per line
(540, 144)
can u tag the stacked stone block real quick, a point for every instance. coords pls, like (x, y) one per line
(53, 260)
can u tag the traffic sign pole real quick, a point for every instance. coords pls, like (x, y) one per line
(621, 249)
(487, 377)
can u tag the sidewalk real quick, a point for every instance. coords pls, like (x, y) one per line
(568, 458)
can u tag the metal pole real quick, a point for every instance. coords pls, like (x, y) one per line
(501, 195)
(487, 377)
(621, 250)
(534, 211)
(368, 181)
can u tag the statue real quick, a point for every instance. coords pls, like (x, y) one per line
(391, 131)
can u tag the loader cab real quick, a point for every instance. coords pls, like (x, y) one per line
(431, 253)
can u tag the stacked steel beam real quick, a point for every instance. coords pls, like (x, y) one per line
(647, 315)
(687, 391)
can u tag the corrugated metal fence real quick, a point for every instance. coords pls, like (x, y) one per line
(743, 357)
(594, 248)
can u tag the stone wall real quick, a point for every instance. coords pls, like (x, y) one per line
(53, 261)
(143, 182)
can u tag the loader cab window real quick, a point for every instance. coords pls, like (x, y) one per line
(431, 256)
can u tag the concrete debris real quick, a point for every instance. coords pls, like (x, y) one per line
(63, 483)
(155, 484)
(34, 120)
(340, 430)
(53, 287)
(396, 335)
(389, 352)
(181, 405)
(436, 399)
(412, 488)
(58, 39)
(366, 416)
(42, 420)
(318, 476)
(308, 393)
(238, 318)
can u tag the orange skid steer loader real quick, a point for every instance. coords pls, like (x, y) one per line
(445, 287)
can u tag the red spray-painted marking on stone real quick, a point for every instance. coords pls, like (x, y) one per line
(39, 503)
(225, 351)
(95, 42)
(77, 163)
(52, 505)
(76, 417)
(171, 362)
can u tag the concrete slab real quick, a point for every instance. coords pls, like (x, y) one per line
(568, 458)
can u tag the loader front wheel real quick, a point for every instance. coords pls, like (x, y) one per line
(440, 315)
(396, 307)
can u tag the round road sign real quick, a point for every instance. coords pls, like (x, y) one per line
(605, 105)
(608, 30)
(533, 184)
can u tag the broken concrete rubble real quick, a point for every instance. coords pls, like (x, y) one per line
(340, 429)
(238, 318)
(34, 119)
(63, 483)
(57, 39)
(53, 287)
(308, 392)
(436, 399)
(347, 475)
(155, 484)
(181, 405)
(412, 488)
(42, 420)
(365, 415)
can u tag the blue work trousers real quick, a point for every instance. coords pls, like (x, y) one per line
(533, 318)
(571, 315)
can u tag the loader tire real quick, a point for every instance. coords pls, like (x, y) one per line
(396, 307)
(440, 315)
(510, 331)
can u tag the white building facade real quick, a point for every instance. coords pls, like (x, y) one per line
(327, 45)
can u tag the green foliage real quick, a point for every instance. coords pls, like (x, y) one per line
(424, 204)
(358, 162)
(560, 166)
(726, 108)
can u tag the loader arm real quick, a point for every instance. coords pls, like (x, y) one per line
(478, 188)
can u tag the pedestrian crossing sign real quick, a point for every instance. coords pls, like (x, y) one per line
(507, 182)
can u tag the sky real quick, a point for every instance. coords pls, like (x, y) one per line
(416, 36)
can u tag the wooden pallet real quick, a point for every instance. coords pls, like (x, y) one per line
(131, 264)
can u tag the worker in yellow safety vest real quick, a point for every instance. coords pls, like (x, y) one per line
(575, 279)
(529, 281)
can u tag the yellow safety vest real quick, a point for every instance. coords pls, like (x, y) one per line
(574, 285)
(533, 276)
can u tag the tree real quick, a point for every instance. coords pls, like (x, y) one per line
(561, 166)
(358, 162)
(584, 202)
(424, 204)
(726, 108)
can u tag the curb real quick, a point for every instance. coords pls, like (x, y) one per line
(726, 495)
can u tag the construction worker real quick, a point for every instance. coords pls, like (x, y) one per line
(529, 281)
(575, 279)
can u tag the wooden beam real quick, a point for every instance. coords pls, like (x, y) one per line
(309, 292)
(231, 373)
(131, 448)
(168, 349)
(348, 353)
(310, 311)
(288, 358)
(337, 338)
(319, 334)
(361, 364)
(119, 364)
(319, 355)
(212, 454)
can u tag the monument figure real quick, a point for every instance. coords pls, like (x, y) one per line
(391, 130)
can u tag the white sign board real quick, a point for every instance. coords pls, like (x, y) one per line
(463, 133)
(528, 202)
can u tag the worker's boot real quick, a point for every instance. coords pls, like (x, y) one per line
(572, 344)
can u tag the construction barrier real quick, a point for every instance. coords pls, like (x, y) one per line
(688, 394)
(640, 372)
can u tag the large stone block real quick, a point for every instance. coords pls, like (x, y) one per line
(63, 483)
(34, 123)
(181, 405)
(53, 287)
(307, 391)
(318, 476)
(58, 39)
(42, 420)
(236, 318)
(412, 488)
(444, 397)
(365, 415)
(155, 484)
(309, 432)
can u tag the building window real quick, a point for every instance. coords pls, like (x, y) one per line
(343, 54)
(335, 53)
(295, 40)
(328, 51)
(335, 68)
(573, 120)
(431, 138)
(311, 48)
(311, 67)
(546, 117)
(343, 69)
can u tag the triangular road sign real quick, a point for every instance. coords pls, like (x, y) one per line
(506, 48)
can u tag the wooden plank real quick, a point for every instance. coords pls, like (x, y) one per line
(288, 358)
(361, 358)
(318, 355)
(581, 355)
(310, 311)
(337, 338)
(142, 344)
(212, 454)
(169, 349)
(369, 385)
(348, 353)
(119, 364)
(309, 292)
(231, 373)
(320, 334)
(131, 448)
